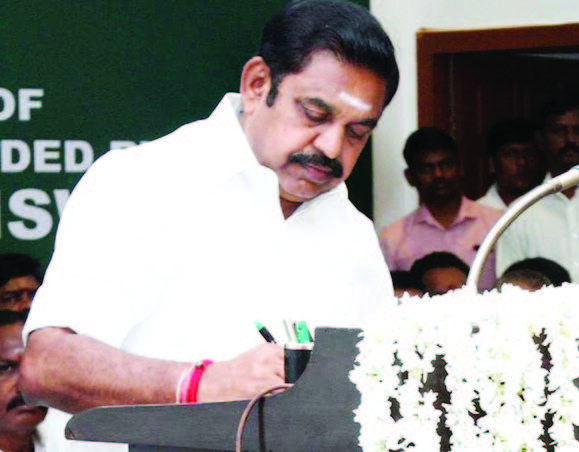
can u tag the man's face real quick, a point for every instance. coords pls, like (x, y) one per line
(440, 280)
(316, 128)
(17, 293)
(435, 175)
(15, 415)
(560, 140)
(517, 167)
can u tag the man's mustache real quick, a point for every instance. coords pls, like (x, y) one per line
(15, 402)
(320, 160)
(569, 147)
(18, 401)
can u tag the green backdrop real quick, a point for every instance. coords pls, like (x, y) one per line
(79, 77)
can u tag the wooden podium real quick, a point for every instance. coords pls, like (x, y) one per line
(316, 414)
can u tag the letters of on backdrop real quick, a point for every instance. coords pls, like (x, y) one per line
(80, 78)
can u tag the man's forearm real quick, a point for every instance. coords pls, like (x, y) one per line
(73, 372)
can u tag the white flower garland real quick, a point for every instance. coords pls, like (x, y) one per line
(489, 345)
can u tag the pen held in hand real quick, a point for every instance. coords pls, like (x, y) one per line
(264, 332)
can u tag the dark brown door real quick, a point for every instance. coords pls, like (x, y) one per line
(469, 79)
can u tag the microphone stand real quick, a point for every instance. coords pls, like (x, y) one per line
(555, 185)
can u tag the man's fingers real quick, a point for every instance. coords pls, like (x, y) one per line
(244, 376)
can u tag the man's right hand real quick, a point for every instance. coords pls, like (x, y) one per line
(73, 372)
(244, 376)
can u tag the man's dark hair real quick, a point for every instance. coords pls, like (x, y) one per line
(427, 139)
(404, 279)
(509, 131)
(8, 317)
(555, 272)
(16, 265)
(559, 102)
(437, 259)
(531, 278)
(348, 31)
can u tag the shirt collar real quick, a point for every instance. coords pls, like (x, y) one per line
(560, 196)
(229, 132)
(466, 212)
(236, 147)
(339, 191)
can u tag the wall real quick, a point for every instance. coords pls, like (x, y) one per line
(392, 195)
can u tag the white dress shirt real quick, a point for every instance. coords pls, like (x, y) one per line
(548, 229)
(173, 249)
(492, 198)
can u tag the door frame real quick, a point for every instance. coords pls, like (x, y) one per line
(436, 48)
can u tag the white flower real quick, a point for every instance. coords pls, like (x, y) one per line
(488, 343)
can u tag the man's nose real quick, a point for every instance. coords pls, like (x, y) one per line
(330, 141)
(522, 160)
(24, 302)
(438, 171)
(21, 300)
(571, 136)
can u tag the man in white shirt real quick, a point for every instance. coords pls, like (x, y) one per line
(550, 228)
(514, 161)
(169, 252)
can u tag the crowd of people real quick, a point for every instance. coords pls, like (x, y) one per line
(273, 158)
(445, 232)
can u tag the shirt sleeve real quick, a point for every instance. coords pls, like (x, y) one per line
(94, 283)
(511, 247)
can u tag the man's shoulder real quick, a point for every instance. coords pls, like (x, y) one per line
(194, 140)
(193, 152)
(160, 149)
(482, 211)
(539, 215)
(492, 199)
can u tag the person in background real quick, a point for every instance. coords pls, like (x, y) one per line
(555, 273)
(440, 272)
(18, 421)
(526, 279)
(20, 276)
(404, 282)
(514, 161)
(445, 220)
(243, 216)
(550, 228)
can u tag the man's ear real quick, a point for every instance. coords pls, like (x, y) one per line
(409, 177)
(255, 83)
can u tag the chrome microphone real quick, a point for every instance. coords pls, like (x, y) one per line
(557, 184)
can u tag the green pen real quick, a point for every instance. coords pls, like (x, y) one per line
(264, 332)
(303, 333)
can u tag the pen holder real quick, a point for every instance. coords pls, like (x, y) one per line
(296, 358)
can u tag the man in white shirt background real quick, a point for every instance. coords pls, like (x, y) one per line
(550, 228)
(514, 160)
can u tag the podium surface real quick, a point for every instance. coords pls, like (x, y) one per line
(316, 414)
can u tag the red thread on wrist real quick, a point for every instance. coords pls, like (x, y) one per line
(193, 380)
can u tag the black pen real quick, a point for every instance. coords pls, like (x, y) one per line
(263, 331)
